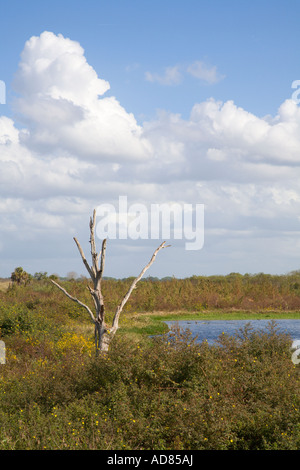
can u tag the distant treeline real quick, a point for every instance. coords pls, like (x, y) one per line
(196, 293)
(259, 291)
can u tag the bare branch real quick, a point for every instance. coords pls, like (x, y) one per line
(100, 271)
(90, 271)
(92, 292)
(74, 299)
(133, 285)
(93, 244)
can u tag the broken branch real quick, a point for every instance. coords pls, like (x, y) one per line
(75, 300)
(133, 285)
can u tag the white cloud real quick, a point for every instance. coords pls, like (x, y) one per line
(171, 76)
(78, 149)
(222, 141)
(44, 71)
(202, 71)
(174, 75)
(61, 102)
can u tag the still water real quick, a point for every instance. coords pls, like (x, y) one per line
(210, 330)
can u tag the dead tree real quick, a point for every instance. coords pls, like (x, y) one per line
(103, 333)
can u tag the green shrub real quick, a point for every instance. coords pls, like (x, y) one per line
(169, 392)
(20, 322)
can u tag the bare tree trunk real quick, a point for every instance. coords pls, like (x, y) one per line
(103, 333)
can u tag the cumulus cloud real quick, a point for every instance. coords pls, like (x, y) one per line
(72, 148)
(61, 103)
(44, 70)
(222, 141)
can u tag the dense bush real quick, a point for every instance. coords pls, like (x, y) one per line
(172, 393)
(162, 393)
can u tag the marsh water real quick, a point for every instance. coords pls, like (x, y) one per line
(210, 330)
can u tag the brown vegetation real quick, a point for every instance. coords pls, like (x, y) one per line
(163, 393)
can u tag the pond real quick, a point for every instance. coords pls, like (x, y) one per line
(210, 330)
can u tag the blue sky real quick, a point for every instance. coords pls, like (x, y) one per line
(206, 86)
(254, 44)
